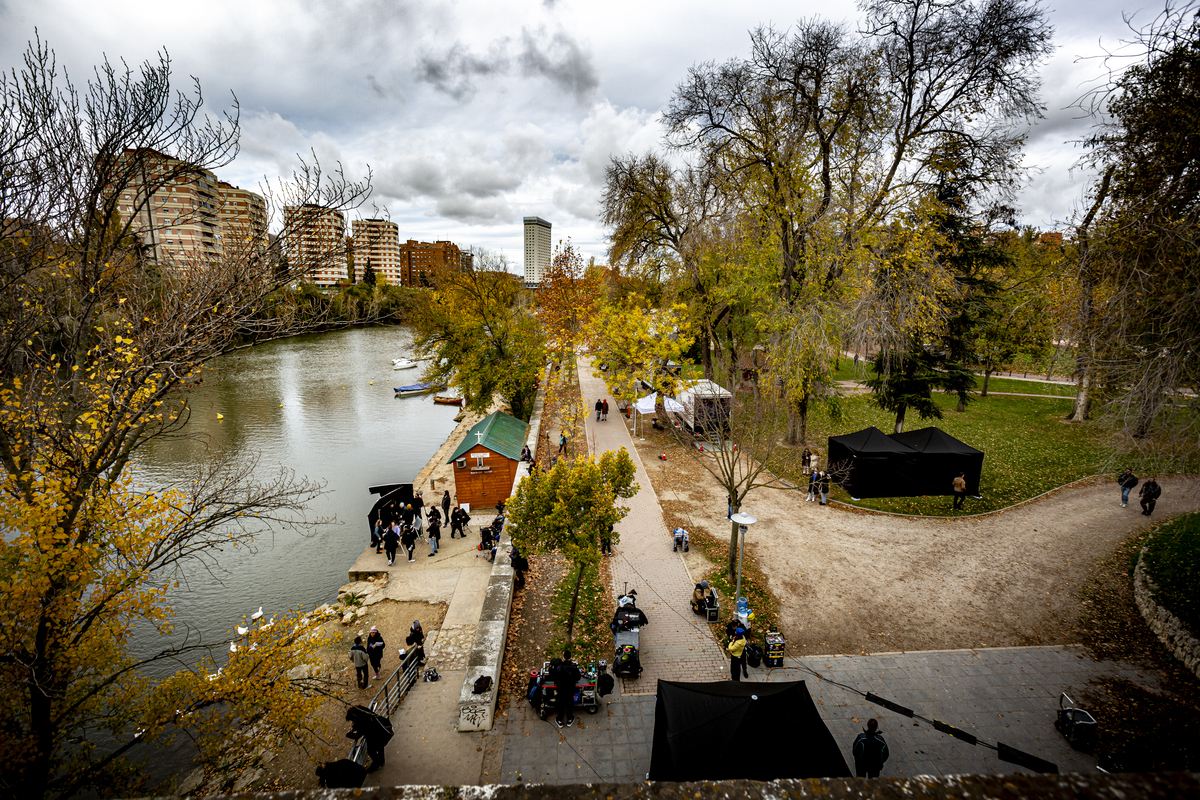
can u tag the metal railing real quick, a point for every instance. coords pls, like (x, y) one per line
(387, 699)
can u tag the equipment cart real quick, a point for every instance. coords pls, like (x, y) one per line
(774, 654)
(543, 692)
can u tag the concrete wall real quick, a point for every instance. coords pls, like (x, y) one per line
(476, 712)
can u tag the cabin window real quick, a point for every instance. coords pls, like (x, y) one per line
(462, 463)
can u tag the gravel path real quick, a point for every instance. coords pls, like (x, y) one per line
(856, 582)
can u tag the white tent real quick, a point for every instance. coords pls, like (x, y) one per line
(647, 404)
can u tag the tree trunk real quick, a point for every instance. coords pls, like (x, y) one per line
(1083, 399)
(574, 605)
(1053, 360)
(962, 404)
(900, 419)
(797, 427)
(733, 545)
(706, 355)
(987, 376)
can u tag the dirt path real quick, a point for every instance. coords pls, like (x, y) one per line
(856, 582)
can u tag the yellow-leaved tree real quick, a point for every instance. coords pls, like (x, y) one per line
(105, 330)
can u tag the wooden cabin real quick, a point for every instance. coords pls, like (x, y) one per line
(485, 464)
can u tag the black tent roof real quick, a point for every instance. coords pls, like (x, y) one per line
(729, 729)
(934, 440)
(871, 440)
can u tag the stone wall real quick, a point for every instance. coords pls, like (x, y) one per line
(1166, 626)
(476, 712)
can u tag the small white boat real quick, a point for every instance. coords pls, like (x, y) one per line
(403, 363)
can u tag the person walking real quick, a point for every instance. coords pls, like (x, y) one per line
(599, 409)
(1126, 480)
(435, 532)
(813, 480)
(805, 458)
(390, 541)
(409, 540)
(737, 655)
(562, 442)
(1150, 493)
(366, 724)
(377, 534)
(960, 490)
(446, 506)
(604, 418)
(416, 639)
(457, 520)
(375, 650)
(566, 676)
(520, 565)
(358, 657)
(870, 752)
(823, 486)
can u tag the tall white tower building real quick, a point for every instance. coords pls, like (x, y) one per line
(537, 249)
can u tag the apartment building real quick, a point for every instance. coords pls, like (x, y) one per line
(419, 259)
(316, 239)
(189, 215)
(537, 250)
(377, 241)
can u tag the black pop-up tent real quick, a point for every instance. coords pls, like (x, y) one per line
(728, 730)
(393, 497)
(869, 463)
(941, 458)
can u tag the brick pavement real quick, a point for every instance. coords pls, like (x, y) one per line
(675, 646)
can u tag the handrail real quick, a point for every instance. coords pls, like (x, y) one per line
(387, 699)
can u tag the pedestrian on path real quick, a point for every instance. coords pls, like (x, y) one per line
(737, 655)
(457, 520)
(435, 532)
(1150, 493)
(805, 457)
(1126, 480)
(823, 485)
(416, 638)
(870, 752)
(358, 657)
(813, 480)
(409, 540)
(377, 535)
(375, 650)
(390, 541)
(562, 442)
(960, 491)
(604, 418)
(599, 409)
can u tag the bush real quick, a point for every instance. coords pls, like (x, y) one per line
(1172, 559)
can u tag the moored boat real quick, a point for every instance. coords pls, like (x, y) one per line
(446, 400)
(418, 388)
(403, 363)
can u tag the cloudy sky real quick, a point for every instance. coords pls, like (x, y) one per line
(475, 113)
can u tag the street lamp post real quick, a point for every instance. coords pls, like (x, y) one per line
(743, 521)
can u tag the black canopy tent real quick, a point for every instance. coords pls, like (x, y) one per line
(942, 458)
(729, 730)
(869, 463)
(394, 496)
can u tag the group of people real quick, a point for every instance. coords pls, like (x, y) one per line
(415, 518)
(602, 410)
(818, 485)
(1149, 494)
(368, 657)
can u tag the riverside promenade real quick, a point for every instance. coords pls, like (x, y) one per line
(677, 645)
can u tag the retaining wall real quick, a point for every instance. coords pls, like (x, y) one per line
(1166, 626)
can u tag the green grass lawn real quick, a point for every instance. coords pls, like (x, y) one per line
(1173, 560)
(1026, 387)
(1027, 449)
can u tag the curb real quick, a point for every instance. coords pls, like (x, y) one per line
(1169, 629)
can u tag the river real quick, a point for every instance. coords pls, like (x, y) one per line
(307, 403)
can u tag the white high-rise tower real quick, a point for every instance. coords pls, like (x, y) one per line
(537, 249)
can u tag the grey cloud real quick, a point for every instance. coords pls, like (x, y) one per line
(467, 209)
(559, 58)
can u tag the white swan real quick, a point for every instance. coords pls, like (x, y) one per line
(233, 647)
(257, 614)
(242, 631)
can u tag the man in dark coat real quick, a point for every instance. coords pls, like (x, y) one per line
(599, 411)
(1126, 480)
(391, 540)
(870, 751)
(566, 676)
(409, 540)
(458, 519)
(341, 774)
(446, 505)
(377, 731)
(1150, 493)
(823, 485)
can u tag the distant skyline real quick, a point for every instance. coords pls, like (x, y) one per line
(472, 114)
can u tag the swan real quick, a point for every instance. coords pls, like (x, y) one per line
(233, 647)
(242, 631)
(257, 614)
(266, 626)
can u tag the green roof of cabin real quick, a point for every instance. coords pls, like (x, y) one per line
(502, 433)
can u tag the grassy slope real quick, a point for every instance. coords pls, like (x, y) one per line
(1173, 559)
(1028, 449)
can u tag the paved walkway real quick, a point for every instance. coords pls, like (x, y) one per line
(675, 646)
(1005, 695)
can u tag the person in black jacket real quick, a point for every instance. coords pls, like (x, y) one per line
(566, 676)
(870, 751)
(416, 638)
(1126, 480)
(375, 647)
(446, 505)
(391, 540)
(458, 519)
(1150, 493)
(409, 540)
(520, 565)
(377, 730)
(824, 486)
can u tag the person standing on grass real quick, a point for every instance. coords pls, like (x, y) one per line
(1126, 480)
(870, 752)
(737, 655)
(805, 458)
(1150, 493)
(960, 491)
(358, 657)
(375, 650)
(823, 486)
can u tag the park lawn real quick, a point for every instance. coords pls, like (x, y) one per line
(1026, 387)
(1173, 559)
(1027, 447)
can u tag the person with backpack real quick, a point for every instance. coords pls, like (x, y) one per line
(1126, 480)
(566, 676)
(358, 657)
(870, 752)
(375, 649)
(1150, 493)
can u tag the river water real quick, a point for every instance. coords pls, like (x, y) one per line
(307, 403)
